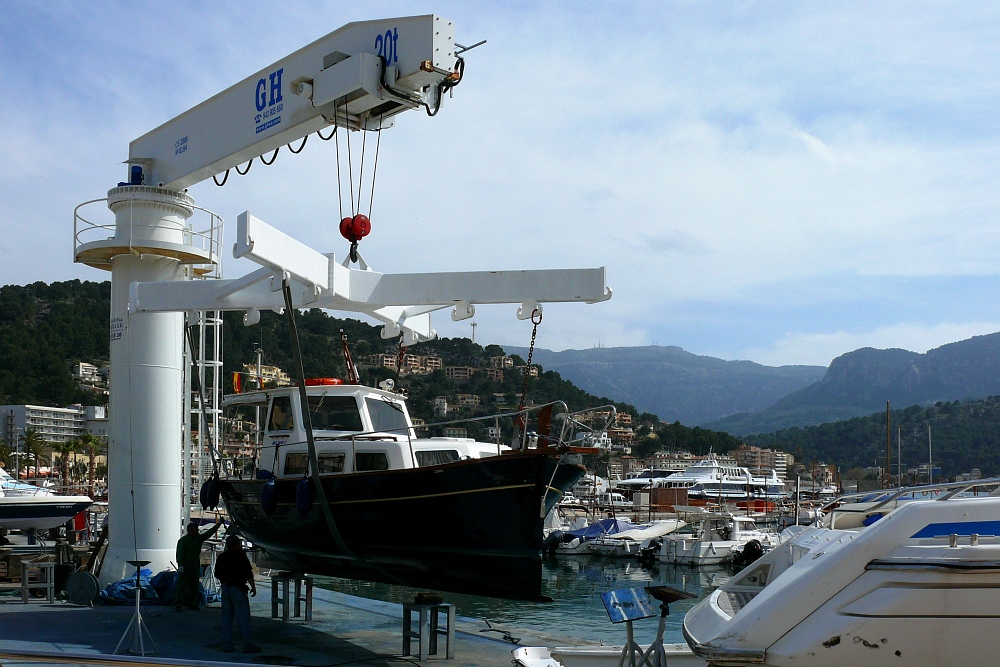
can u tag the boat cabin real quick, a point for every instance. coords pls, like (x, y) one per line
(355, 428)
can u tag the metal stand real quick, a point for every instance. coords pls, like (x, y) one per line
(137, 626)
(631, 651)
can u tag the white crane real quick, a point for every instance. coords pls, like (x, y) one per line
(358, 77)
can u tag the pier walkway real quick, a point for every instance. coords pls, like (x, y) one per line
(345, 631)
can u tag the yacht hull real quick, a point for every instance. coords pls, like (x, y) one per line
(472, 526)
(40, 512)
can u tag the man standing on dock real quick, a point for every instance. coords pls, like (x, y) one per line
(189, 564)
(234, 572)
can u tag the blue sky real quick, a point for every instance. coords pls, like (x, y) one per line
(781, 182)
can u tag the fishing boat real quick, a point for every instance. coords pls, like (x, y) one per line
(450, 514)
(902, 577)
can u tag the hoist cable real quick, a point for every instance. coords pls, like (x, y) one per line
(340, 194)
(301, 146)
(224, 179)
(244, 172)
(378, 142)
(361, 172)
(274, 156)
(350, 166)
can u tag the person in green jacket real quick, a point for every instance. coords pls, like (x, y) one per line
(189, 564)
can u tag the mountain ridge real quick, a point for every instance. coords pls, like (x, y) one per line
(673, 383)
(859, 382)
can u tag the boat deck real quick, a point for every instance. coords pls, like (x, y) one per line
(345, 631)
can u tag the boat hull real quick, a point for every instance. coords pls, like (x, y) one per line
(40, 512)
(472, 526)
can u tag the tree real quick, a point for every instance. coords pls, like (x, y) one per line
(65, 450)
(34, 446)
(93, 446)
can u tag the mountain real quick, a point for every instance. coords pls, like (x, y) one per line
(965, 435)
(675, 384)
(860, 382)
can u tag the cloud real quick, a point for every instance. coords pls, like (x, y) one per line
(710, 158)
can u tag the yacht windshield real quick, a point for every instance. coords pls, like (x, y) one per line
(387, 416)
(334, 413)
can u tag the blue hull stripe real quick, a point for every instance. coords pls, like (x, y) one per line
(959, 528)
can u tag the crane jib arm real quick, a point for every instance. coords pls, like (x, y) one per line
(336, 79)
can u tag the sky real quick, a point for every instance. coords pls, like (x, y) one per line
(776, 181)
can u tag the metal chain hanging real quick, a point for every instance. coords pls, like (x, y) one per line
(521, 422)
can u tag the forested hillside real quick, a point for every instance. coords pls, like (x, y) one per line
(964, 435)
(46, 329)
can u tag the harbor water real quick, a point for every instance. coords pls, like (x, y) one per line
(574, 583)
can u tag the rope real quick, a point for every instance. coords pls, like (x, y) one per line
(244, 172)
(224, 179)
(340, 194)
(320, 134)
(378, 142)
(361, 172)
(301, 146)
(350, 166)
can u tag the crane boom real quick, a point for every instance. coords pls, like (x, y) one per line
(360, 75)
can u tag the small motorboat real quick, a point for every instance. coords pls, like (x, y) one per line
(39, 512)
(717, 536)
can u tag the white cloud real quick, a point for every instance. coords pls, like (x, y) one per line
(707, 156)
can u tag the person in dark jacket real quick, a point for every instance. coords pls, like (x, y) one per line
(234, 572)
(189, 564)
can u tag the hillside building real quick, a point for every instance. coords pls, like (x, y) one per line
(501, 362)
(756, 458)
(440, 406)
(459, 373)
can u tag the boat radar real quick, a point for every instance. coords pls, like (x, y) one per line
(358, 77)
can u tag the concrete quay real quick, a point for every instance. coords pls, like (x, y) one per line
(345, 631)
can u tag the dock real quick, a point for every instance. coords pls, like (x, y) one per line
(345, 631)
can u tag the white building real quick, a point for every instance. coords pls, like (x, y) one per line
(54, 424)
(87, 372)
(440, 406)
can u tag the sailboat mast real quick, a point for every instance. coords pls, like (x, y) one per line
(888, 445)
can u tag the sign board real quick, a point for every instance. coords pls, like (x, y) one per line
(627, 604)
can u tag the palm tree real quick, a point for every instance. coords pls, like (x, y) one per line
(65, 450)
(94, 446)
(34, 446)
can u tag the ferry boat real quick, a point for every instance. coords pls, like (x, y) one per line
(709, 480)
(903, 577)
(449, 514)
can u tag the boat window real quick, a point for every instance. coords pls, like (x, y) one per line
(281, 414)
(437, 457)
(387, 416)
(334, 413)
(371, 461)
(297, 463)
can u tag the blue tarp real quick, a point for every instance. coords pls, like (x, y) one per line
(161, 589)
(601, 527)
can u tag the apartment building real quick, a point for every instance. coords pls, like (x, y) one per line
(459, 373)
(54, 424)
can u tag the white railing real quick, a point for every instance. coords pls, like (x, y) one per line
(198, 233)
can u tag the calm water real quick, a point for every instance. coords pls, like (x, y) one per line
(575, 584)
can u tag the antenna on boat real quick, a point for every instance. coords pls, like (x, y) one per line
(352, 370)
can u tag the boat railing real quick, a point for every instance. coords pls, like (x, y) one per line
(882, 497)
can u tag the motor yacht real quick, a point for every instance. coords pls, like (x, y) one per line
(713, 542)
(449, 514)
(903, 577)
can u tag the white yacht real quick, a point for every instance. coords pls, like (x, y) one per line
(710, 480)
(878, 580)
(644, 479)
(14, 488)
(39, 511)
(714, 541)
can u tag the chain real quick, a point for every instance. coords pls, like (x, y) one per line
(399, 359)
(527, 368)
